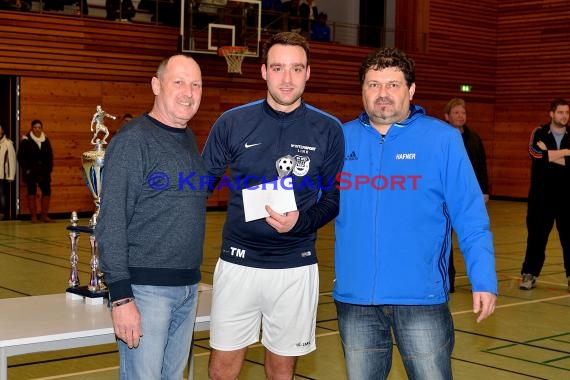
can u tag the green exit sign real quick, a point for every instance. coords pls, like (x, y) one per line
(465, 88)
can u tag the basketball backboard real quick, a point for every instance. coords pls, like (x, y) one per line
(210, 24)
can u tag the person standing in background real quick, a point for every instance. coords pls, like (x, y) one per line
(126, 118)
(291, 9)
(456, 114)
(320, 30)
(35, 157)
(7, 170)
(151, 232)
(548, 202)
(54, 5)
(124, 121)
(271, 14)
(309, 12)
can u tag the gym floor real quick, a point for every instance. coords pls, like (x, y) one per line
(528, 337)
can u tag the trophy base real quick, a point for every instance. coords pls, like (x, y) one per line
(81, 293)
(86, 229)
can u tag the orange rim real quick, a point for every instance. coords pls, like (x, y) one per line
(225, 50)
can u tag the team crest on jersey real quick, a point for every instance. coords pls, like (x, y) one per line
(302, 167)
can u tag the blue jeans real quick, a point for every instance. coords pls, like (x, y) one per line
(424, 336)
(167, 318)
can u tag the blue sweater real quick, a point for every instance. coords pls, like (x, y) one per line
(249, 139)
(393, 234)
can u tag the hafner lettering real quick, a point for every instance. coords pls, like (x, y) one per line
(237, 252)
(405, 156)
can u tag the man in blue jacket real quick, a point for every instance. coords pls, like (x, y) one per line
(406, 181)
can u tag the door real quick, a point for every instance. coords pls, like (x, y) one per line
(9, 110)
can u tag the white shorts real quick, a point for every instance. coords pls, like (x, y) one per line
(280, 302)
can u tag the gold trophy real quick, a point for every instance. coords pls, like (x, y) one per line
(93, 162)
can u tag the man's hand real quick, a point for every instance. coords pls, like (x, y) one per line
(127, 323)
(541, 145)
(484, 304)
(281, 223)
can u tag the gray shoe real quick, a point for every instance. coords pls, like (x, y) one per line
(528, 282)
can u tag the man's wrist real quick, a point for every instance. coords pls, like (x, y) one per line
(121, 302)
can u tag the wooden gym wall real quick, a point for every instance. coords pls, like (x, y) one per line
(69, 65)
(514, 53)
(511, 52)
(454, 44)
(533, 40)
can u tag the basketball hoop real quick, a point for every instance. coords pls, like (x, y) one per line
(234, 57)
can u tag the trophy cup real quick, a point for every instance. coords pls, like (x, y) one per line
(92, 167)
(93, 160)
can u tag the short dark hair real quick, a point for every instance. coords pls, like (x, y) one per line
(388, 57)
(285, 38)
(36, 121)
(557, 102)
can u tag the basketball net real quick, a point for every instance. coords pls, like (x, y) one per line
(234, 57)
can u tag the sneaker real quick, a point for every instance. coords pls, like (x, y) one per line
(528, 282)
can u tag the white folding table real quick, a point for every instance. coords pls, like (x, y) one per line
(56, 322)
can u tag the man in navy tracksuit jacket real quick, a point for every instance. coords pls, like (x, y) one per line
(267, 274)
(549, 150)
(405, 182)
(255, 136)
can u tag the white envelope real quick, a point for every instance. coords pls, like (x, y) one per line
(279, 195)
